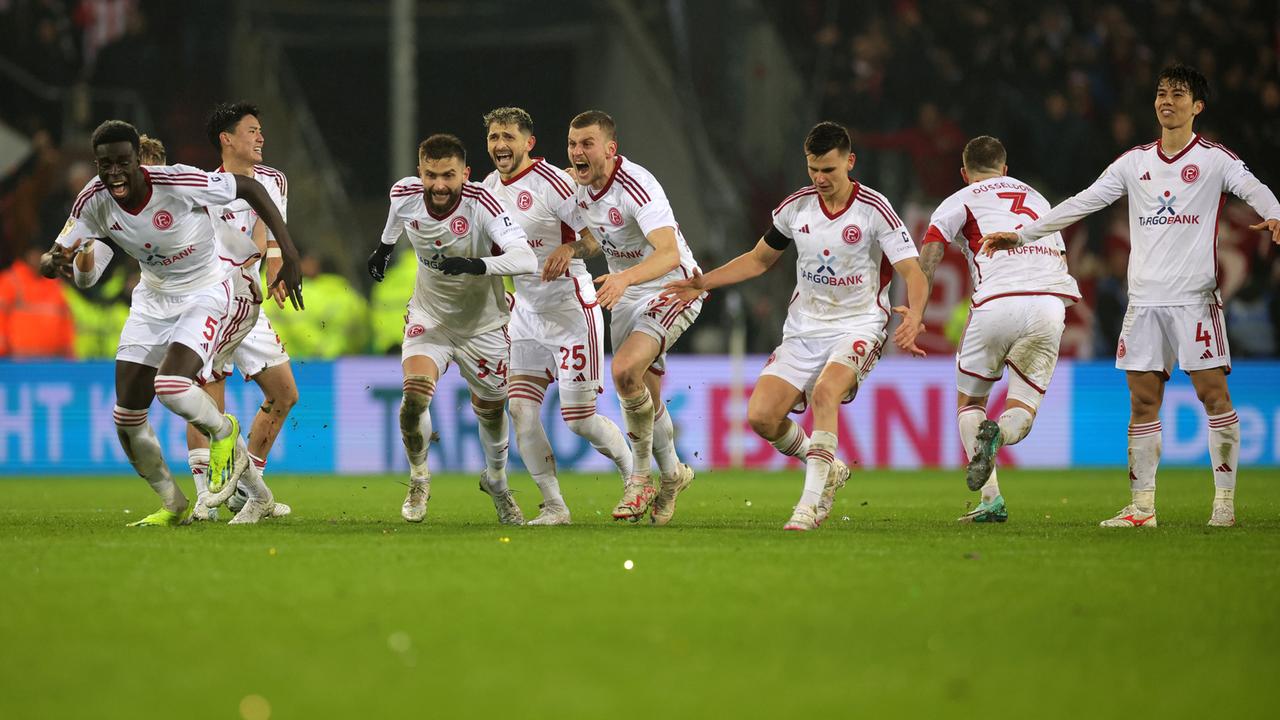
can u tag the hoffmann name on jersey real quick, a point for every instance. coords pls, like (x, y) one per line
(845, 258)
(541, 200)
(1003, 204)
(629, 207)
(169, 232)
(477, 226)
(1173, 216)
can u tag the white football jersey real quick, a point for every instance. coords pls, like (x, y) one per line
(629, 207)
(170, 233)
(476, 227)
(541, 201)
(1003, 204)
(845, 258)
(1173, 216)
(239, 216)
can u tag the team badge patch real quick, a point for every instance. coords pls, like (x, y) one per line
(162, 220)
(852, 234)
(414, 330)
(1120, 351)
(615, 217)
(1190, 173)
(459, 226)
(524, 200)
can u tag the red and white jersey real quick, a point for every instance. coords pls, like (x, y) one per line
(1003, 204)
(540, 199)
(476, 227)
(1173, 216)
(170, 232)
(629, 207)
(240, 217)
(845, 258)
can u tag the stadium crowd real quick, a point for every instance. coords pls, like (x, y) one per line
(1067, 87)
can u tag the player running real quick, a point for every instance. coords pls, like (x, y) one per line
(1020, 297)
(623, 204)
(557, 330)
(846, 235)
(236, 132)
(188, 313)
(1176, 187)
(455, 227)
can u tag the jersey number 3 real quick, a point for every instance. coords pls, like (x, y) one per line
(1018, 205)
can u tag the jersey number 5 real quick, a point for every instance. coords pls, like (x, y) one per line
(1018, 204)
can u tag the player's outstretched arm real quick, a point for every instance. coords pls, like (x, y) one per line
(930, 256)
(664, 258)
(290, 273)
(1271, 225)
(57, 262)
(744, 267)
(917, 296)
(558, 261)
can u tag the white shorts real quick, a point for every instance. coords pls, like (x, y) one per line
(1152, 337)
(1023, 332)
(211, 321)
(800, 360)
(653, 316)
(260, 349)
(482, 359)
(565, 345)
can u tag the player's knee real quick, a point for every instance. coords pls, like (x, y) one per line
(1216, 399)
(628, 378)
(487, 413)
(765, 424)
(826, 395)
(283, 400)
(525, 413)
(418, 390)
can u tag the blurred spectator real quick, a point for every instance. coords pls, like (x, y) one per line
(389, 300)
(934, 144)
(34, 319)
(335, 322)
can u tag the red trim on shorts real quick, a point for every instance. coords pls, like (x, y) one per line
(1024, 377)
(976, 375)
(1064, 296)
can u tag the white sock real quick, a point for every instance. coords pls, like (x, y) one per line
(198, 461)
(525, 405)
(822, 449)
(494, 439)
(603, 435)
(142, 447)
(637, 415)
(1015, 423)
(1224, 449)
(968, 418)
(192, 404)
(415, 422)
(253, 484)
(793, 443)
(1144, 458)
(664, 441)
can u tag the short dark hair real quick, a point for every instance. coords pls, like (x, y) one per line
(595, 117)
(825, 137)
(1188, 77)
(441, 146)
(225, 117)
(984, 153)
(115, 131)
(509, 116)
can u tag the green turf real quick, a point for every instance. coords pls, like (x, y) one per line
(346, 611)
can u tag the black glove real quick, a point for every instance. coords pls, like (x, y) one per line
(460, 265)
(379, 261)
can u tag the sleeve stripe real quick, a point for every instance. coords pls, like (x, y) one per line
(872, 197)
(891, 219)
(405, 193)
(167, 175)
(87, 193)
(183, 183)
(555, 181)
(1218, 146)
(804, 192)
(484, 197)
(633, 188)
(281, 181)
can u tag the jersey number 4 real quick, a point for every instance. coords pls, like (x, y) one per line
(1018, 205)
(1202, 335)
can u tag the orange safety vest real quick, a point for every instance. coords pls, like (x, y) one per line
(34, 318)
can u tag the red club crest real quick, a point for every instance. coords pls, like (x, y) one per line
(459, 226)
(860, 348)
(615, 217)
(1120, 351)
(1190, 173)
(162, 220)
(414, 331)
(524, 200)
(852, 234)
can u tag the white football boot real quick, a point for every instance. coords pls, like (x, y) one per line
(1224, 513)
(508, 511)
(669, 487)
(551, 514)
(201, 512)
(415, 502)
(804, 518)
(1129, 517)
(837, 476)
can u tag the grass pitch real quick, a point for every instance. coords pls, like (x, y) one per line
(345, 611)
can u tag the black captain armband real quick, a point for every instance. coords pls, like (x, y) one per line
(775, 239)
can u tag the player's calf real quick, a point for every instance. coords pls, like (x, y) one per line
(415, 422)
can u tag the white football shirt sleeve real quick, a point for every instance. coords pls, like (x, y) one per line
(395, 223)
(895, 242)
(1109, 187)
(1240, 182)
(516, 258)
(218, 188)
(782, 219)
(567, 211)
(655, 213)
(946, 222)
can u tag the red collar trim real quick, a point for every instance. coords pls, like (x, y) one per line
(426, 202)
(1160, 151)
(134, 210)
(852, 196)
(522, 173)
(616, 167)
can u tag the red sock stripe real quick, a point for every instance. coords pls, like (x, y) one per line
(513, 393)
(659, 412)
(526, 390)
(1144, 429)
(1223, 421)
(972, 408)
(129, 418)
(420, 387)
(821, 455)
(794, 447)
(577, 412)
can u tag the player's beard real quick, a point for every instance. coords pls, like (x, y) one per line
(442, 207)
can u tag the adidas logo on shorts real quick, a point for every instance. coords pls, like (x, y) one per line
(1207, 354)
